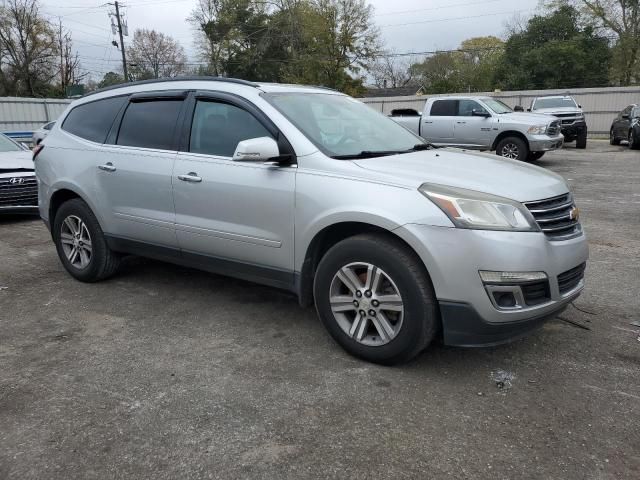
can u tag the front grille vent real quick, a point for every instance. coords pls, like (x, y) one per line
(554, 128)
(570, 279)
(556, 217)
(19, 193)
(535, 293)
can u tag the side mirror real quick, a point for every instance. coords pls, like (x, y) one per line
(579, 106)
(518, 108)
(260, 149)
(480, 113)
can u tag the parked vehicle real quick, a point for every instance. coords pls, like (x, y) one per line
(18, 189)
(42, 132)
(483, 123)
(564, 107)
(626, 126)
(309, 190)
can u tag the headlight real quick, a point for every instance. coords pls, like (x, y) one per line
(479, 211)
(537, 130)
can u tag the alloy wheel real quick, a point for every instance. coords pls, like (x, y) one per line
(510, 150)
(76, 242)
(366, 304)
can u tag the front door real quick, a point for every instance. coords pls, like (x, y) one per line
(238, 214)
(472, 131)
(134, 174)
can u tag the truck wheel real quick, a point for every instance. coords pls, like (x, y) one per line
(581, 141)
(513, 147)
(533, 156)
(80, 243)
(634, 140)
(375, 298)
(613, 140)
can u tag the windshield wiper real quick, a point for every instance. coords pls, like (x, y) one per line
(383, 153)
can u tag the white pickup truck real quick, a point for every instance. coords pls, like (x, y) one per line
(483, 123)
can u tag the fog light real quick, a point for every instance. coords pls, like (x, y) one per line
(504, 299)
(511, 277)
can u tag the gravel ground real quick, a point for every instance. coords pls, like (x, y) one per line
(165, 372)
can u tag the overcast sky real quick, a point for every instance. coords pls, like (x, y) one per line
(406, 25)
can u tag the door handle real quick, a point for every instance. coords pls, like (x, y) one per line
(428, 121)
(107, 167)
(461, 122)
(190, 177)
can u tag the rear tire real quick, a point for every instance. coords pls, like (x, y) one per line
(634, 140)
(80, 243)
(513, 147)
(613, 140)
(375, 298)
(581, 141)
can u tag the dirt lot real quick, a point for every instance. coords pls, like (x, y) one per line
(166, 372)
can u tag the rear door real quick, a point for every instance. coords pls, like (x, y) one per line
(438, 126)
(470, 130)
(236, 215)
(134, 177)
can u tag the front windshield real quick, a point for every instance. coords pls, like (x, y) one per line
(555, 102)
(497, 106)
(8, 145)
(339, 125)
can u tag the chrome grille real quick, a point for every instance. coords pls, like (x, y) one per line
(556, 216)
(19, 194)
(554, 128)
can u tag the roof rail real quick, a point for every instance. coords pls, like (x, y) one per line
(202, 78)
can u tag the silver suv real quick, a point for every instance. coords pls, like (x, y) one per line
(311, 191)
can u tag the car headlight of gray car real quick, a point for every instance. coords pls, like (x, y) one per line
(537, 130)
(480, 211)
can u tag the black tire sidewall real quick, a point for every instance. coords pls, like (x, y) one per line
(523, 149)
(99, 249)
(420, 318)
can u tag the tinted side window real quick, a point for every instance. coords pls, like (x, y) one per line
(444, 108)
(150, 124)
(465, 107)
(93, 120)
(218, 128)
(635, 112)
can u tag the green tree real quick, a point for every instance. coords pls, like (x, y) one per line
(110, 79)
(554, 51)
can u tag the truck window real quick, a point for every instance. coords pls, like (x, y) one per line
(444, 108)
(466, 107)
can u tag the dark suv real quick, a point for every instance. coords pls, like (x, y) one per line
(626, 126)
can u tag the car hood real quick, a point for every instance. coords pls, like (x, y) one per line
(481, 172)
(12, 161)
(525, 118)
(553, 111)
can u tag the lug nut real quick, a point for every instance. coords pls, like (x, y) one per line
(367, 293)
(372, 313)
(358, 294)
(362, 313)
(375, 303)
(355, 303)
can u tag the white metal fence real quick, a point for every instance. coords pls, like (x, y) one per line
(21, 116)
(600, 105)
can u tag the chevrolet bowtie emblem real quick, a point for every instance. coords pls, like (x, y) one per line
(574, 213)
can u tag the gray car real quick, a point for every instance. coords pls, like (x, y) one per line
(311, 191)
(18, 188)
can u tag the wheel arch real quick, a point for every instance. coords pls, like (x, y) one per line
(63, 194)
(326, 238)
(509, 133)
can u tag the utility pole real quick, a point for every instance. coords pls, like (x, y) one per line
(124, 57)
(62, 62)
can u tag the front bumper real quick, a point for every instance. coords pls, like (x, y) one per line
(543, 143)
(454, 257)
(19, 210)
(574, 130)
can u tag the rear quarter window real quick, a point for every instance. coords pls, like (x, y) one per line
(93, 120)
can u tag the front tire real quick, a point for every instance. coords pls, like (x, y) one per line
(80, 243)
(581, 141)
(613, 140)
(634, 140)
(375, 298)
(513, 147)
